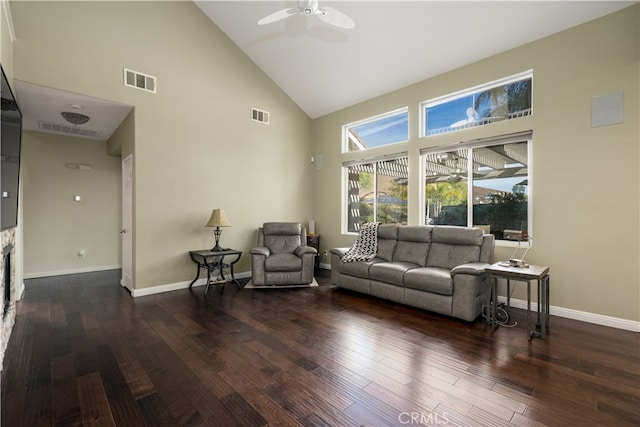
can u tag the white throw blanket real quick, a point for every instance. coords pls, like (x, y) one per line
(366, 246)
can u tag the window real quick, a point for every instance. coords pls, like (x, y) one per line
(377, 131)
(481, 184)
(376, 190)
(505, 99)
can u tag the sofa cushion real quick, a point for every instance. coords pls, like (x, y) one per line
(413, 245)
(387, 238)
(454, 235)
(357, 268)
(448, 256)
(413, 252)
(390, 272)
(282, 262)
(429, 279)
(415, 233)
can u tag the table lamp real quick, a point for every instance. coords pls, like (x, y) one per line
(218, 219)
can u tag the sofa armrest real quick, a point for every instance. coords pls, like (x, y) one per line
(340, 252)
(473, 268)
(336, 255)
(302, 250)
(471, 290)
(261, 250)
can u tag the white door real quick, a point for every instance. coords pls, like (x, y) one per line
(127, 237)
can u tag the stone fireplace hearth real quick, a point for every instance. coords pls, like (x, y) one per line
(10, 289)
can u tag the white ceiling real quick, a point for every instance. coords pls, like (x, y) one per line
(394, 43)
(324, 68)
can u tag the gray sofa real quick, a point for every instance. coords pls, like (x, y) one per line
(436, 268)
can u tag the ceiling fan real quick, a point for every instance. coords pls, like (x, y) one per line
(458, 173)
(309, 8)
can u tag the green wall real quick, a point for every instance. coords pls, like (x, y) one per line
(195, 148)
(584, 180)
(194, 145)
(57, 228)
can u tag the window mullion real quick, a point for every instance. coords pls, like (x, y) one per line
(375, 191)
(470, 187)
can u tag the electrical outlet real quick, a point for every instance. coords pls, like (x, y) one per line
(82, 253)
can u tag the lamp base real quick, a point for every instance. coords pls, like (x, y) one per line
(216, 234)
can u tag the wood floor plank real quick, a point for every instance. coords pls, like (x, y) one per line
(137, 380)
(65, 401)
(242, 411)
(155, 412)
(122, 404)
(188, 397)
(94, 404)
(195, 363)
(273, 414)
(83, 352)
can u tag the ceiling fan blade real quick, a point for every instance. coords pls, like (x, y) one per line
(335, 17)
(277, 16)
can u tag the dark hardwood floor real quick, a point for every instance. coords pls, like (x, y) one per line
(83, 352)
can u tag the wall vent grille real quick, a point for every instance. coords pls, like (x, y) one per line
(260, 116)
(72, 130)
(140, 81)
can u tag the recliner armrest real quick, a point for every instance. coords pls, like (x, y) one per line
(261, 250)
(301, 250)
(473, 268)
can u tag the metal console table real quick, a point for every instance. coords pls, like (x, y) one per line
(215, 260)
(539, 273)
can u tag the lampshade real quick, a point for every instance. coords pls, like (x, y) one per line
(218, 219)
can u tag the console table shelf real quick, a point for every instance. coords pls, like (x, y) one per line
(540, 274)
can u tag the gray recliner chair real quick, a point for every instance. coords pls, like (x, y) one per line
(282, 256)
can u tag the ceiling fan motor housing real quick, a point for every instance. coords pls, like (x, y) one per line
(308, 7)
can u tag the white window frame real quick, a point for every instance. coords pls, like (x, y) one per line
(505, 139)
(346, 136)
(344, 226)
(466, 92)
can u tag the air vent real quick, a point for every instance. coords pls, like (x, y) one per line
(139, 81)
(260, 116)
(73, 130)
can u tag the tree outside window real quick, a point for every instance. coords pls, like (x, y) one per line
(494, 178)
(377, 191)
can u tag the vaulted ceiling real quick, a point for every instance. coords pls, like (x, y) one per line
(324, 68)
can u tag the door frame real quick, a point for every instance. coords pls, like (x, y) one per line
(127, 279)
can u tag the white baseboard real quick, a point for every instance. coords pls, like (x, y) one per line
(70, 271)
(151, 290)
(583, 316)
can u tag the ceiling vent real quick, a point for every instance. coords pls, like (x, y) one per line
(260, 116)
(139, 81)
(66, 129)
